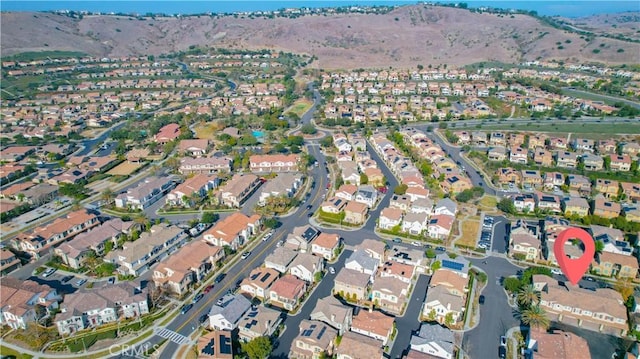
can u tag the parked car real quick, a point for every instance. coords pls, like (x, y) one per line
(220, 277)
(556, 271)
(309, 206)
(503, 341)
(310, 214)
(417, 244)
(245, 255)
(481, 299)
(220, 302)
(49, 272)
(186, 308)
(67, 278)
(80, 282)
(111, 280)
(203, 318)
(502, 352)
(208, 289)
(397, 240)
(441, 249)
(331, 270)
(197, 298)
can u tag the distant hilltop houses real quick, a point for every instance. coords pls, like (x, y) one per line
(283, 12)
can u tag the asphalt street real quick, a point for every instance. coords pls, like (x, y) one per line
(496, 316)
(409, 323)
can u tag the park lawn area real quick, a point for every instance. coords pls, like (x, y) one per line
(8, 351)
(470, 229)
(299, 107)
(592, 130)
(501, 108)
(488, 204)
(125, 169)
(207, 131)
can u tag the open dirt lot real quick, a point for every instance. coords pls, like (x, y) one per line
(124, 169)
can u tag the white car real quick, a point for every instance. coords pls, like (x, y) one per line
(331, 270)
(556, 271)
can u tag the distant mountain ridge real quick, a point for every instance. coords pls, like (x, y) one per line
(404, 37)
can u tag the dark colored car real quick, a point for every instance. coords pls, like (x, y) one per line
(186, 308)
(397, 240)
(481, 299)
(197, 298)
(66, 279)
(502, 352)
(220, 277)
(309, 206)
(204, 318)
(310, 214)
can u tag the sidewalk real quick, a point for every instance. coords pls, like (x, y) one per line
(512, 340)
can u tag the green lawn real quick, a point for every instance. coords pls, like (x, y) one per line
(300, 107)
(8, 351)
(591, 130)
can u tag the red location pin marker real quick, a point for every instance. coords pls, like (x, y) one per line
(574, 269)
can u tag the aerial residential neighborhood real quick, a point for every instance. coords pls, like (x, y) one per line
(224, 200)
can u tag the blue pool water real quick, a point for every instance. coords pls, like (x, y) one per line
(258, 134)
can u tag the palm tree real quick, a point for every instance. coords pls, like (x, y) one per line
(535, 317)
(528, 296)
(142, 220)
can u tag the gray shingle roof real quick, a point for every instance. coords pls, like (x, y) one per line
(434, 333)
(234, 310)
(362, 258)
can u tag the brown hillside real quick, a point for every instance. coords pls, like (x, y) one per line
(407, 36)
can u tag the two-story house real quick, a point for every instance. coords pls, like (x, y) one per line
(326, 245)
(389, 218)
(25, 302)
(524, 242)
(75, 252)
(186, 267)
(274, 163)
(145, 193)
(315, 340)
(333, 312)
(238, 189)
(306, 267)
(227, 315)
(89, 309)
(233, 231)
(42, 238)
(287, 292)
(135, 257)
(191, 190)
(256, 285)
